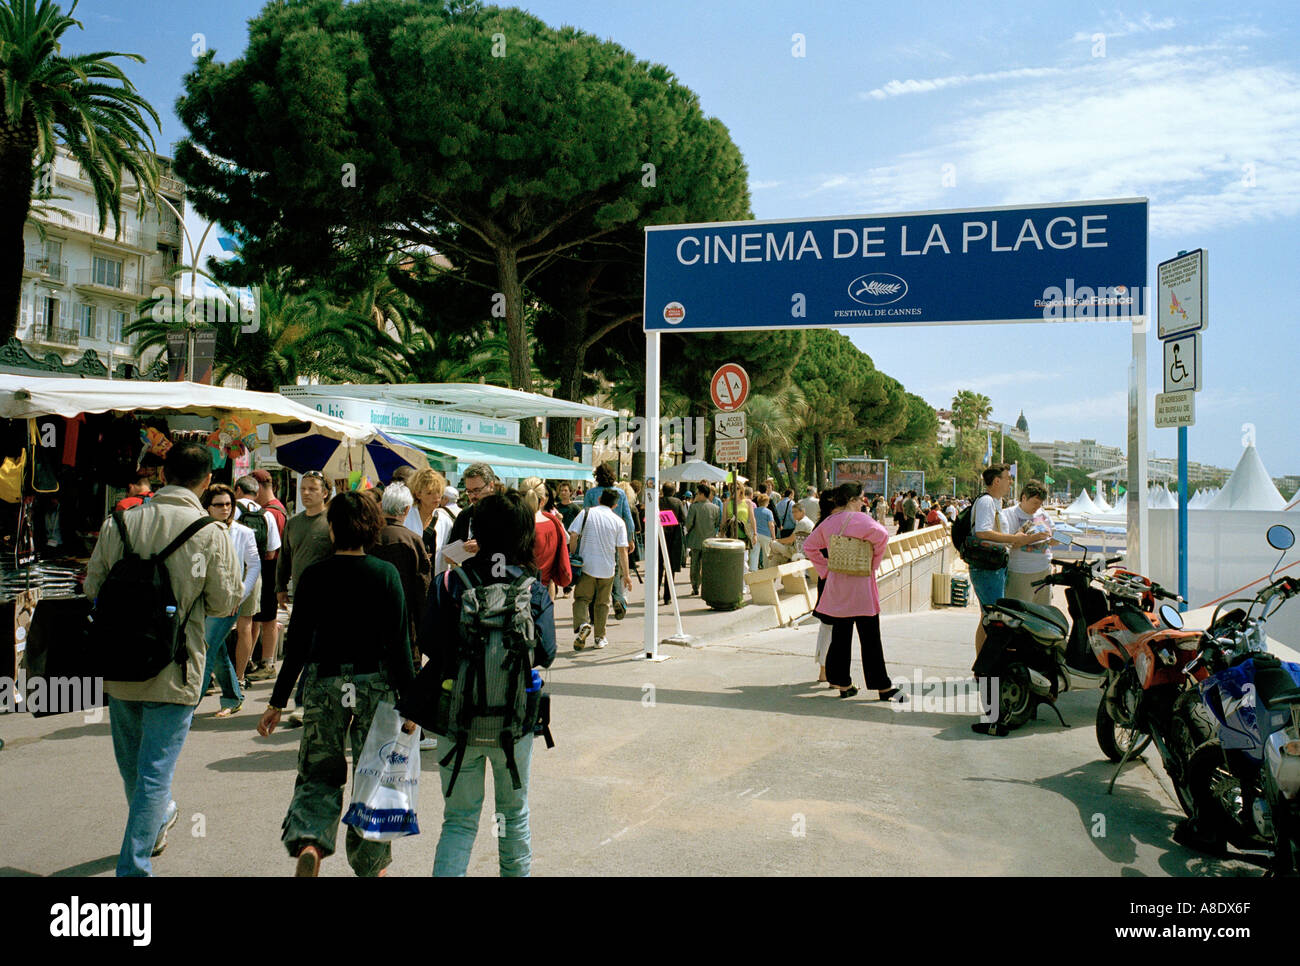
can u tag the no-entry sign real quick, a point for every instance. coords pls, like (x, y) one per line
(729, 387)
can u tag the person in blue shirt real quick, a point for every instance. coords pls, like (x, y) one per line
(605, 481)
(766, 525)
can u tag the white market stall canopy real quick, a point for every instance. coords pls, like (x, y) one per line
(693, 471)
(467, 398)
(508, 460)
(27, 397)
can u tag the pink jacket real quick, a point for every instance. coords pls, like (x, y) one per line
(846, 596)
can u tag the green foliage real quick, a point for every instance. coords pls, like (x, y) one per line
(84, 101)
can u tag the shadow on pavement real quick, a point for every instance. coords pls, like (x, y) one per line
(1117, 824)
(283, 760)
(82, 869)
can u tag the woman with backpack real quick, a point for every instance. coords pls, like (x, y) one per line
(351, 658)
(854, 544)
(505, 529)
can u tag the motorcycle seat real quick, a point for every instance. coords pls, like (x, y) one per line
(1281, 698)
(1057, 624)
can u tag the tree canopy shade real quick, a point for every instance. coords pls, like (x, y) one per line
(350, 129)
(84, 101)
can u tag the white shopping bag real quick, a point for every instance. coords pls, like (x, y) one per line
(386, 784)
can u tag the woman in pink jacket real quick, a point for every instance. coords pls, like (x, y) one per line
(851, 601)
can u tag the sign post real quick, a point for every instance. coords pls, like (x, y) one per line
(1182, 302)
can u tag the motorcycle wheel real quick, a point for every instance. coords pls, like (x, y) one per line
(1217, 796)
(1015, 699)
(1115, 740)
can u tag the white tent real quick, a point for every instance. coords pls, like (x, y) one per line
(1082, 504)
(28, 397)
(1249, 487)
(1201, 498)
(1100, 505)
(693, 471)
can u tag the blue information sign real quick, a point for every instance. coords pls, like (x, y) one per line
(1080, 261)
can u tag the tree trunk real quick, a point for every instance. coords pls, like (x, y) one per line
(521, 357)
(564, 431)
(16, 176)
(819, 463)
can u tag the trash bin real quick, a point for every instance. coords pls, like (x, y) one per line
(722, 577)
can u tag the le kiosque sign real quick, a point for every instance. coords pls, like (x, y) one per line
(1082, 261)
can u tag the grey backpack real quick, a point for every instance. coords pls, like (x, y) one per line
(488, 702)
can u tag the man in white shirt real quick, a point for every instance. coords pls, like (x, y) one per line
(599, 537)
(812, 507)
(990, 583)
(449, 498)
(1033, 562)
(251, 514)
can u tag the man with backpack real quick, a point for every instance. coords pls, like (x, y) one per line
(267, 533)
(486, 625)
(784, 512)
(156, 574)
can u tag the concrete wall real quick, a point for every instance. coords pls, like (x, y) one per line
(904, 576)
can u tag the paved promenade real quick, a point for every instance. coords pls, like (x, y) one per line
(724, 760)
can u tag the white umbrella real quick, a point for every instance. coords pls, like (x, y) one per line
(693, 471)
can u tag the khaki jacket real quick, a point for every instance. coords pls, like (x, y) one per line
(206, 578)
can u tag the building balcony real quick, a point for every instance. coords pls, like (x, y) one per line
(134, 287)
(168, 235)
(45, 268)
(171, 186)
(54, 335)
(89, 224)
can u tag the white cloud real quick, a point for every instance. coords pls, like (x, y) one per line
(764, 185)
(897, 88)
(1209, 135)
(1120, 26)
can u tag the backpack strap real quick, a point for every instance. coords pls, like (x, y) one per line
(457, 753)
(184, 535)
(120, 520)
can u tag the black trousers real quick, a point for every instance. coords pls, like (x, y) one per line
(840, 655)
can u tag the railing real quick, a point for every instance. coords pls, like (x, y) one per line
(57, 271)
(126, 286)
(58, 336)
(90, 224)
(168, 235)
(171, 185)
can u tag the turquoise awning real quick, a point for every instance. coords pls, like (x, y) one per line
(451, 454)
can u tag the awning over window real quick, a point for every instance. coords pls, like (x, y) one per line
(508, 460)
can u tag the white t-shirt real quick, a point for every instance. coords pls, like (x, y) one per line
(1032, 558)
(245, 541)
(812, 507)
(952, 511)
(443, 521)
(985, 515)
(272, 530)
(602, 533)
(414, 522)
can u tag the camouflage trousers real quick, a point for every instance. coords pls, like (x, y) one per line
(335, 709)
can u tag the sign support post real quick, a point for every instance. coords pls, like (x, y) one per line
(1182, 516)
(650, 495)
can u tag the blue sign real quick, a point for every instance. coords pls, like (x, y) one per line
(1080, 261)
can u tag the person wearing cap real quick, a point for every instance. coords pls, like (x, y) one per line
(137, 492)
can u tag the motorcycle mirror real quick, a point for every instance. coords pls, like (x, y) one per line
(1169, 614)
(1281, 537)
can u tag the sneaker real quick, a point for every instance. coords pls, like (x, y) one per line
(429, 743)
(160, 843)
(266, 672)
(620, 611)
(601, 642)
(308, 866)
(580, 641)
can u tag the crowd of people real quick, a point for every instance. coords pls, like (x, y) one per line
(397, 546)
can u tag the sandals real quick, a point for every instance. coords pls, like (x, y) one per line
(892, 694)
(229, 712)
(848, 692)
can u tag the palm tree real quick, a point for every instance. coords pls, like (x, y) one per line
(773, 424)
(299, 334)
(85, 101)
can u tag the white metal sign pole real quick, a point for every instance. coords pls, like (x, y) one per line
(651, 495)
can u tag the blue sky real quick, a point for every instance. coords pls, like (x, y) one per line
(1196, 107)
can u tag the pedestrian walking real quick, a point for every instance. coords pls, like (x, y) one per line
(854, 544)
(150, 719)
(350, 658)
(219, 501)
(599, 537)
(701, 524)
(765, 530)
(477, 482)
(398, 545)
(673, 538)
(306, 541)
(605, 481)
(249, 513)
(505, 529)
(266, 620)
(550, 538)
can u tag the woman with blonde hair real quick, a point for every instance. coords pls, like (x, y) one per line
(423, 519)
(551, 543)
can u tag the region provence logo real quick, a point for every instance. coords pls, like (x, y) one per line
(674, 312)
(879, 288)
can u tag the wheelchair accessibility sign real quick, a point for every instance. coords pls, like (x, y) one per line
(1182, 366)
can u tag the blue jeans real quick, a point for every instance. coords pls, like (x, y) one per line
(989, 585)
(218, 661)
(460, 810)
(147, 740)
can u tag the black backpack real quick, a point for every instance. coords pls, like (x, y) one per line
(488, 701)
(136, 628)
(255, 520)
(976, 554)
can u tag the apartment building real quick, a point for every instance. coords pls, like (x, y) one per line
(81, 283)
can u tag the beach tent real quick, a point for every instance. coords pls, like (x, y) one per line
(1082, 504)
(1249, 488)
(693, 471)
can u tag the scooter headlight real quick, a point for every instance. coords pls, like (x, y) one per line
(1283, 754)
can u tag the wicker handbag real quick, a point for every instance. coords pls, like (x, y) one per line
(850, 556)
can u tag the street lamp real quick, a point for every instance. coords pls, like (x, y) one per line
(194, 282)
